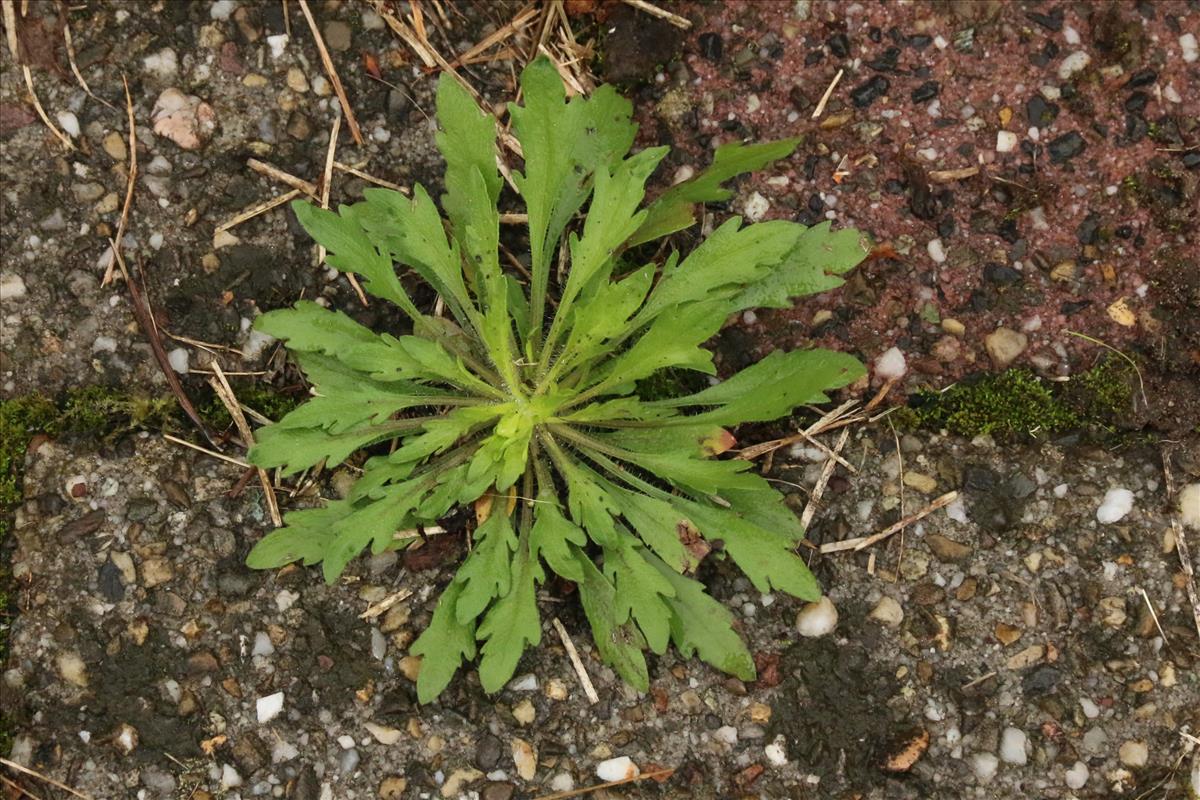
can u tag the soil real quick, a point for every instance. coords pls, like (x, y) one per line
(1003, 647)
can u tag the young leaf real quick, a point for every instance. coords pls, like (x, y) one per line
(487, 572)
(443, 646)
(552, 536)
(702, 626)
(305, 538)
(674, 210)
(373, 524)
(295, 449)
(640, 592)
(814, 265)
(619, 644)
(511, 624)
(350, 251)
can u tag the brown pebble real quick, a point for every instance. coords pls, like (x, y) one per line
(1007, 634)
(966, 590)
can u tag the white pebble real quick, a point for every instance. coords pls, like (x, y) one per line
(817, 619)
(12, 287)
(262, 645)
(1012, 746)
(1071, 35)
(937, 251)
(525, 683)
(1189, 506)
(1077, 775)
(727, 734)
(1061, 490)
(1073, 63)
(1006, 141)
(230, 779)
(682, 174)
(178, 359)
(1187, 43)
(1116, 504)
(69, 123)
(164, 63)
(776, 751)
(617, 769)
(222, 9)
(278, 43)
(104, 344)
(1134, 754)
(269, 707)
(285, 600)
(890, 365)
(753, 104)
(985, 765)
(756, 207)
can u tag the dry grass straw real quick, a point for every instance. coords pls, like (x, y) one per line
(331, 71)
(130, 182)
(220, 385)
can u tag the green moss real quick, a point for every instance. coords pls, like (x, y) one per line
(1017, 403)
(268, 401)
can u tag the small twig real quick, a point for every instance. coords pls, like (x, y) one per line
(658, 774)
(9, 10)
(1154, 616)
(130, 182)
(860, 542)
(878, 398)
(37, 105)
(326, 183)
(44, 778)
(820, 109)
(327, 62)
(951, 175)
(655, 11)
(576, 662)
(70, 46)
(1181, 544)
(514, 219)
(1131, 362)
(977, 681)
(826, 422)
(523, 18)
(221, 456)
(220, 385)
(21, 791)
(144, 315)
(375, 609)
(826, 473)
(259, 208)
(350, 169)
(274, 172)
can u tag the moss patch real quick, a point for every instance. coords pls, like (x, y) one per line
(1017, 403)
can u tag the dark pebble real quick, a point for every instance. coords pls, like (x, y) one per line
(1047, 54)
(1123, 231)
(1191, 159)
(712, 46)
(1088, 230)
(815, 203)
(499, 790)
(799, 99)
(1066, 147)
(398, 105)
(140, 509)
(893, 186)
(926, 91)
(1051, 22)
(1001, 274)
(946, 226)
(980, 478)
(111, 587)
(814, 57)
(307, 786)
(875, 34)
(1136, 102)
(488, 751)
(1136, 128)
(1008, 230)
(1143, 77)
(86, 525)
(839, 45)
(869, 91)
(920, 41)
(1041, 680)
(1039, 112)
(887, 61)
(1074, 306)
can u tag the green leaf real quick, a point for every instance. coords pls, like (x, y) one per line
(487, 571)
(511, 624)
(766, 508)
(443, 646)
(306, 537)
(467, 140)
(604, 315)
(772, 388)
(349, 250)
(295, 449)
(660, 525)
(674, 209)
(765, 557)
(640, 592)
(373, 524)
(552, 536)
(562, 144)
(730, 258)
(814, 265)
(702, 626)
(589, 504)
(620, 645)
(441, 433)
(706, 476)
